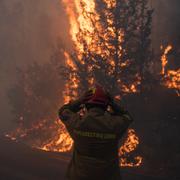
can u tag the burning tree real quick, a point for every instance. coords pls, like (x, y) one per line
(112, 45)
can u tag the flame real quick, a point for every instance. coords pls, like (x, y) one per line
(130, 145)
(171, 78)
(84, 28)
(78, 20)
(69, 61)
(137, 162)
(164, 60)
(72, 18)
(132, 88)
(62, 142)
(72, 86)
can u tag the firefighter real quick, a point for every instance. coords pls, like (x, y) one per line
(96, 134)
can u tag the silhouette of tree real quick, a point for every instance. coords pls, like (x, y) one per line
(37, 93)
(116, 51)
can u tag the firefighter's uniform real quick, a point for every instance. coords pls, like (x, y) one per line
(96, 136)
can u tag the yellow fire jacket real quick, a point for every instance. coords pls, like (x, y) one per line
(96, 135)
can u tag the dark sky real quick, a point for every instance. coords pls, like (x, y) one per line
(29, 30)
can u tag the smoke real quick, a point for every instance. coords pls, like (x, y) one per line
(29, 31)
(166, 22)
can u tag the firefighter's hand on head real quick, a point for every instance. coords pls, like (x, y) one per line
(97, 95)
(86, 96)
(114, 102)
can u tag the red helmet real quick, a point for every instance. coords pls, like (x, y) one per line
(98, 96)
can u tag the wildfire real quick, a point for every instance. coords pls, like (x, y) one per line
(83, 30)
(130, 145)
(62, 142)
(78, 20)
(59, 142)
(171, 78)
(132, 88)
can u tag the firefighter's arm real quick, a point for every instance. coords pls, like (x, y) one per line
(122, 117)
(69, 116)
(73, 106)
